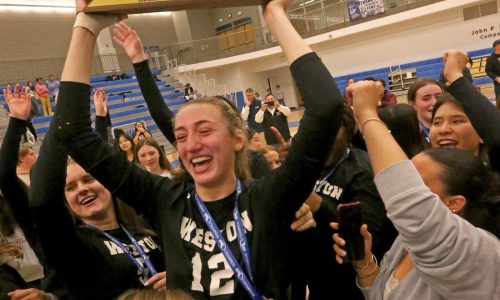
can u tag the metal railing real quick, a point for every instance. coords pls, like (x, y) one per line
(308, 17)
(21, 71)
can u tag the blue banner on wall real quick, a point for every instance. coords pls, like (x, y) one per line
(359, 9)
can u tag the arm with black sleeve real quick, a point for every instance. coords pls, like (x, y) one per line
(160, 112)
(322, 117)
(13, 189)
(72, 125)
(126, 37)
(101, 127)
(483, 115)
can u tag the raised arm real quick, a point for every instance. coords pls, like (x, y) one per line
(324, 105)
(126, 37)
(440, 244)
(101, 110)
(53, 222)
(484, 117)
(365, 96)
(13, 189)
(72, 122)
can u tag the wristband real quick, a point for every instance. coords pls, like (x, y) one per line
(94, 22)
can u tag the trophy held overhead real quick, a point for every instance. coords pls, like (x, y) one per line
(145, 6)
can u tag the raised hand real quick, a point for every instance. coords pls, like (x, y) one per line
(365, 97)
(263, 106)
(128, 39)
(100, 103)
(454, 63)
(19, 102)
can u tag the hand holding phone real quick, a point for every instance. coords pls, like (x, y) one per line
(350, 221)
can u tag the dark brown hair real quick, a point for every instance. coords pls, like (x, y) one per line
(402, 121)
(417, 85)
(464, 174)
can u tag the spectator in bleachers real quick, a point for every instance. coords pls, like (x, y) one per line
(211, 143)
(43, 94)
(53, 86)
(439, 253)
(141, 132)
(251, 108)
(493, 70)
(389, 98)
(402, 121)
(126, 146)
(153, 158)
(35, 107)
(189, 92)
(422, 95)
(273, 114)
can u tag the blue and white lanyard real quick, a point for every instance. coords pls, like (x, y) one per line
(138, 247)
(346, 155)
(426, 132)
(224, 247)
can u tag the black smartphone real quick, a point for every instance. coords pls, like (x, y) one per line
(350, 221)
(269, 103)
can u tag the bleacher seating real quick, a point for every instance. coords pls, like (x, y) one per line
(126, 104)
(426, 68)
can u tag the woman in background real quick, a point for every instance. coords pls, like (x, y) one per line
(153, 158)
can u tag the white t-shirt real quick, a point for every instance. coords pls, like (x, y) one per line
(28, 266)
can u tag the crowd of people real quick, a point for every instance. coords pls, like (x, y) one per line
(252, 212)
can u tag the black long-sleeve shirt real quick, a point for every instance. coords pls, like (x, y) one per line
(267, 206)
(160, 112)
(14, 190)
(92, 265)
(16, 194)
(484, 117)
(352, 180)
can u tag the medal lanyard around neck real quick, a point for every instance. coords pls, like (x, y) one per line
(138, 247)
(346, 155)
(224, 247)
(426, 132)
